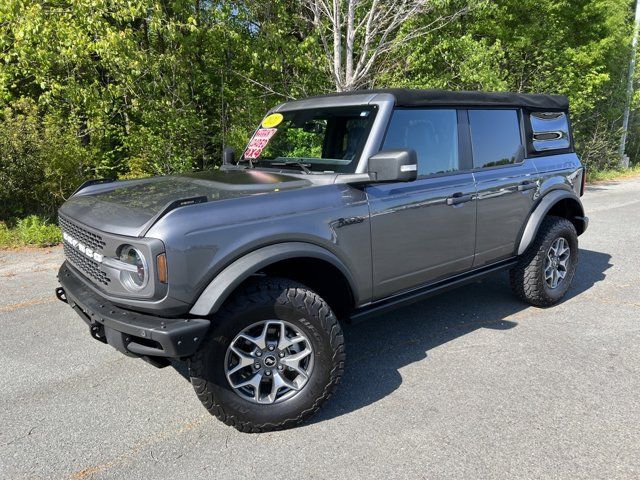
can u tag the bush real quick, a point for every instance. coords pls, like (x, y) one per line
(30, 231)
(41, 161)
(7, 236)
(35, 231)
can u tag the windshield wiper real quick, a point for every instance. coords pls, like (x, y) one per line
(298, 163)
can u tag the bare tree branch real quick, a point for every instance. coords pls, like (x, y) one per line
(356, 33)
(267, 88)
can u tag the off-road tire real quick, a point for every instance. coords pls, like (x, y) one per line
(269, 298)
(527, 278)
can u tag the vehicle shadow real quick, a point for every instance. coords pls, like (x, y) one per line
(406, 335)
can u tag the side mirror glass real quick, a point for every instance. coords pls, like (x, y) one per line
(228, 156)
(393, 166)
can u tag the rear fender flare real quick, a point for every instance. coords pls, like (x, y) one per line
(541, 210)
(225, 282)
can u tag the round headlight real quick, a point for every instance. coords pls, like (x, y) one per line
(135, 277)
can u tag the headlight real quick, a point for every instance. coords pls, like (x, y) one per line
(135, 277)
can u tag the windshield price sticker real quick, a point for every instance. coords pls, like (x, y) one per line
(259, 141)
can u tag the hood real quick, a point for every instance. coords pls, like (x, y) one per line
(131, 207)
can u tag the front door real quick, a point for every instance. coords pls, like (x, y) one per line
(424, 230)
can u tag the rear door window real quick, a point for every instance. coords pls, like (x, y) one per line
(432, 133)
(495, 138)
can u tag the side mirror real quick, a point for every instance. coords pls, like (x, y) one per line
(228, 156)
(393, 166)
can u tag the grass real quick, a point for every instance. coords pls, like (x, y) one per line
(31, 231)
(612, 174)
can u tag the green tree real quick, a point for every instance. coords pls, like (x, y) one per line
(127, 88)
(579, 48)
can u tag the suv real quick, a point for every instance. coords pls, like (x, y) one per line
(341, 206)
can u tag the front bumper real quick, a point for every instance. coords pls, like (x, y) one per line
(135, 334)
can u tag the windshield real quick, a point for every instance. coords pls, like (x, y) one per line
(320, 140)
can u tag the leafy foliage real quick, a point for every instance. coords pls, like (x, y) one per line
(577, 48)
(127, 88)
(31, 231)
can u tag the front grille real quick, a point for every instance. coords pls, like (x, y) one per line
(87, 238)
(88, 266)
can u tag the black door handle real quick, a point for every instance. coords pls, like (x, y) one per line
(527, 186)
(458, 198)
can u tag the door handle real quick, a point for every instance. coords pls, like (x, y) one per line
(524, 186)
(458, 198)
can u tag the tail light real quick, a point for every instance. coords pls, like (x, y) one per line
(584, 180)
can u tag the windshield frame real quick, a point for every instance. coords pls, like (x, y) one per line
(384, 104)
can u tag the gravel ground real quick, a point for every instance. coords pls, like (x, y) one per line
(471, 384)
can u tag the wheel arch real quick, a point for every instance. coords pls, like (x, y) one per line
(561, 203)
(310, 264)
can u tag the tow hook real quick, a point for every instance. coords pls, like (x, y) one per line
(62, 296)
(97, 332)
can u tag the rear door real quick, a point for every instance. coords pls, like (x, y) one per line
(424, 230)
(506, 181)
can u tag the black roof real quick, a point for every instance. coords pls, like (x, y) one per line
(418, 98)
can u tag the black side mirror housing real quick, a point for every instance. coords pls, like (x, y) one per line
(228, 156)
(393, 166)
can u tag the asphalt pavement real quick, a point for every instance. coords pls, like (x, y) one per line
(470, 384)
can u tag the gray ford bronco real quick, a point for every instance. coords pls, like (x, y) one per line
(341, 206)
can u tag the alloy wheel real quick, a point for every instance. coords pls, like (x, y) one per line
(557, 262)
(269, 362)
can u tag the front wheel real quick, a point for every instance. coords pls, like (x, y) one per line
(274, 355)
(545, 271)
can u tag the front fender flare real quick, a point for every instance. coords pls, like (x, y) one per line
(225, 282)
(541, 210)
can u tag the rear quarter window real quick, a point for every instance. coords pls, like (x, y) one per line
(550, 131)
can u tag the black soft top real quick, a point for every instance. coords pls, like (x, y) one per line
(422, 98)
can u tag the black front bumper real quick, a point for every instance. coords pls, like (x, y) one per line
(133, 333)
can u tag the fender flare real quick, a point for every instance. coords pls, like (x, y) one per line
(225, 282)
(541, 210)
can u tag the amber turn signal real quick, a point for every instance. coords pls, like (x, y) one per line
(161, 262)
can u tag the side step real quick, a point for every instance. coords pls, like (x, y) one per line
(412, 296)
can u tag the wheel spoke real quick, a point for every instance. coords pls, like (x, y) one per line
(296, 357)
(302, 375)
(252, 382)
(278, 382)
(285, 342)
(244, 360)
(548, 274)
(293, 363)
(261, 340)
(249, 338)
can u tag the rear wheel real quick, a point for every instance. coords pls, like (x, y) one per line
(274, 355)
(545, 271)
